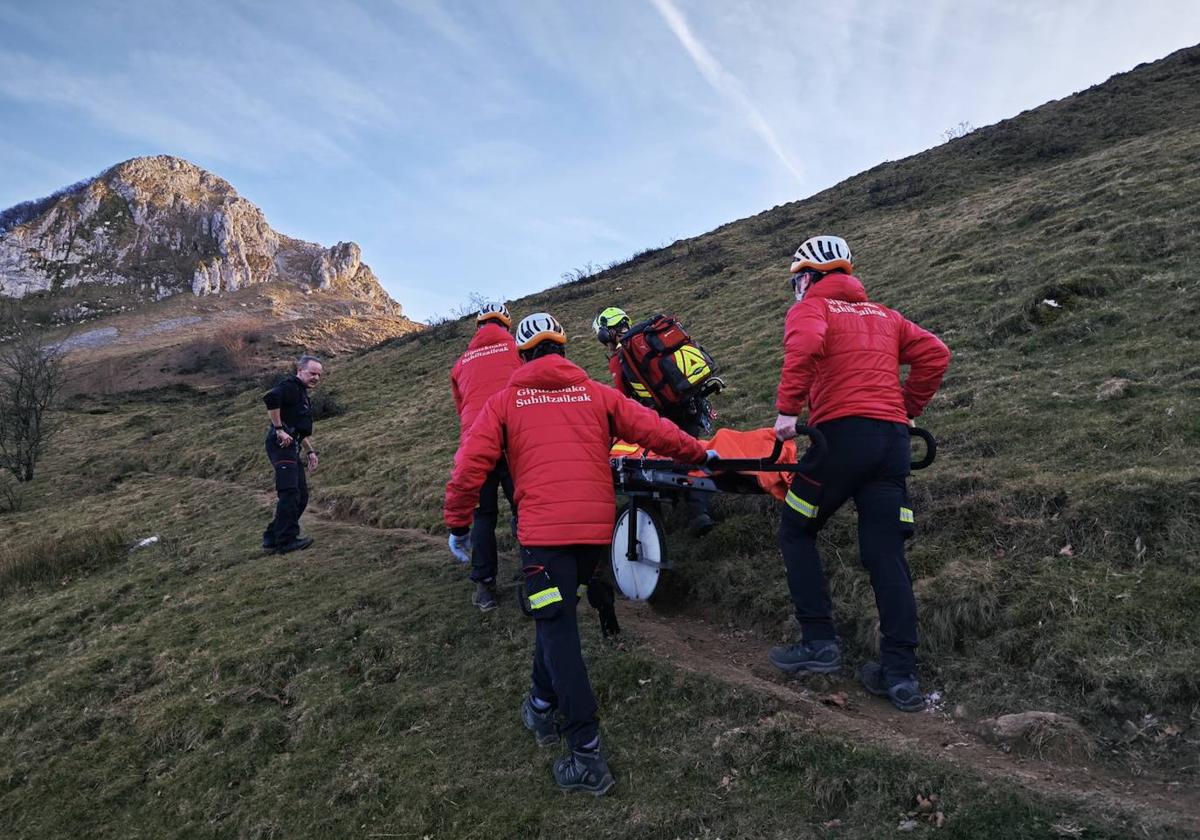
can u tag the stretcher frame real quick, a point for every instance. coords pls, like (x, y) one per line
(638, 552)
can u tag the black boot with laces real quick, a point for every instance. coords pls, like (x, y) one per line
(585, 771)
(540, 723)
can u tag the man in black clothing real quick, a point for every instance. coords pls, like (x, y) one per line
(290, 412)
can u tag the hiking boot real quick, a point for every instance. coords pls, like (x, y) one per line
(584, 770)
(269, 546)
(298, 544)
(541, 724)
(821, 656)
(701, 524)
(485, 597)
(904, 694)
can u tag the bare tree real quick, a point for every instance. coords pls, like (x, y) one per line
(32, 375)
(588, 269)
(961, 130)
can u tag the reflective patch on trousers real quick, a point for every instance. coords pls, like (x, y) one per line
(545, 599)
(801, 506)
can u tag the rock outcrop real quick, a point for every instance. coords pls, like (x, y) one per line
(154, 227)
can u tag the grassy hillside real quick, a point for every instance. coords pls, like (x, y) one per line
(352, 690)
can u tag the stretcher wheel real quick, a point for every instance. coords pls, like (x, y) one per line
(638, 579)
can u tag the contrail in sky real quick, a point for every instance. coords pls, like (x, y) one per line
(722, 81)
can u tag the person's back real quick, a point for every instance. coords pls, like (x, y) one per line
(842, 355)
(555, 424)
(845, 354)
(482, 370)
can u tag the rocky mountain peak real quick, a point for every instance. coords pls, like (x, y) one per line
(152, 227)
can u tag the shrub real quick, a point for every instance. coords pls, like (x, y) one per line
(325, 404)
(585, 272)
(961, 130)
(228, 350)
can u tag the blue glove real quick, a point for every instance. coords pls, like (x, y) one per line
(460, 547)
(710, 456)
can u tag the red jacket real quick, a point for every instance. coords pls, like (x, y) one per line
(555, 425)
(614, 369)
(843, 354)
(481, 371)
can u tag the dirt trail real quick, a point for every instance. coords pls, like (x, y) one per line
(738, 657)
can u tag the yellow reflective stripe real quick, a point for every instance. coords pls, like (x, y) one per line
(800, 506)
(906, 514)
(545, 598)
(639, 389)
(581, 590)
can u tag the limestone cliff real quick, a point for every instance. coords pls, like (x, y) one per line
(154, 227)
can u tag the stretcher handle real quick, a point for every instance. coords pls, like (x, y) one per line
(817, 447)
(930, 447)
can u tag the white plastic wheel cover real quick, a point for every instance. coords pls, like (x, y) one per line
(637, 580)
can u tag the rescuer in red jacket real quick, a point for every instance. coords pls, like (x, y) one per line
(490, 359)
(842, 354)
(556, 426)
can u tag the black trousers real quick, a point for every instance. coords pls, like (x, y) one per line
(559, 674)
(484, 557)
(291, 487)
(868, 460)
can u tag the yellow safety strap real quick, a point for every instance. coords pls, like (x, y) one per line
(545, 598)
(800, 506)
(906, 515)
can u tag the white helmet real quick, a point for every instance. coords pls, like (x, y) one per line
(494, 312)
(539, 327)
(822, 253)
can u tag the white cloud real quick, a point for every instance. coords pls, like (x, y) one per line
(724, 83)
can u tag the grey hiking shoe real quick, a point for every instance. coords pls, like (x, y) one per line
(485, 597)
(541, 724)
(904, 694)
(584, 770)
(823, 656)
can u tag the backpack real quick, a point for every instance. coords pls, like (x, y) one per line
(662, 364)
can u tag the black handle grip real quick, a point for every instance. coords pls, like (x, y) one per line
(930, 447)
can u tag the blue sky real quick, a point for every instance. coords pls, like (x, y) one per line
(491, 146)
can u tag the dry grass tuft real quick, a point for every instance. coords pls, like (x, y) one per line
(59, 558)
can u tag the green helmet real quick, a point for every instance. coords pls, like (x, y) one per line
(609, 321)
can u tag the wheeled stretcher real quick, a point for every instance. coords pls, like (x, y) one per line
(639, 543)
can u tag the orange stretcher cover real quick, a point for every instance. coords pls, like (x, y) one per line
(731, 443)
